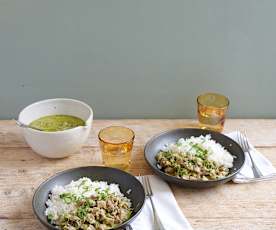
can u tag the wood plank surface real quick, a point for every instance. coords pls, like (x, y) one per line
(260, 132)
(231, 206)
(230, 223)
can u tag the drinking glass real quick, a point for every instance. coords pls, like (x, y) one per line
(116, 144)
(211, 111)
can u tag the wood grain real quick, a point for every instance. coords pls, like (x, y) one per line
(257, 129)
(231, 206)
(230, 223)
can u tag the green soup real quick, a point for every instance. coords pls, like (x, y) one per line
(54, 123)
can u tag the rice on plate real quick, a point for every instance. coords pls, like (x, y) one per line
(195, 158)
(88, 205)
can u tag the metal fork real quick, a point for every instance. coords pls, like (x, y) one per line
(243, 141)
(148, 191)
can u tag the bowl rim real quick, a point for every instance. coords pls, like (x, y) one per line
(181, 180)
(90, 117)
(46, 223)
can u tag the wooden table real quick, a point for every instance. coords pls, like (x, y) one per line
(230, 206)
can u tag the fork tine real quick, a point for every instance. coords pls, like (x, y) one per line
(240, 141)
(144, 185)
(148, 185)
(246, 140)
(141, 180)
(245, 149)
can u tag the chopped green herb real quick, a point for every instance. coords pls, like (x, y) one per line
(193, 164)
(50, 216)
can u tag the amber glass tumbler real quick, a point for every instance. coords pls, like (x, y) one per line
(116, 144)
(211, 111)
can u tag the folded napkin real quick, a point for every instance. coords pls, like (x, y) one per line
(170, 214)
(263, 164)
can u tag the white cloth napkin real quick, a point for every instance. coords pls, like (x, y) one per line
(170, 214)
(263, 164)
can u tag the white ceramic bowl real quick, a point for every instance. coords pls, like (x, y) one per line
(61, 143)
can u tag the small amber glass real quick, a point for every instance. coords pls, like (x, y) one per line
(211, 111)
(116, 144)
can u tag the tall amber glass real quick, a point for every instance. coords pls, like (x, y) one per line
(116, 144)
(211, 111)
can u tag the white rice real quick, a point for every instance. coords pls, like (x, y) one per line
(83, 187)
(216, 151)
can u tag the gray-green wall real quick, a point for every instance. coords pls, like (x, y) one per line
(139, 59)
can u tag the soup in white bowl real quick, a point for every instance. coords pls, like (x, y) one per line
(61, 143)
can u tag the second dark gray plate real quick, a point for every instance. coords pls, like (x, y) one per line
(126, 182)
(157, 143)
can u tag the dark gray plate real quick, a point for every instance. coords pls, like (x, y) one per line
(157, 143)
(110, 175)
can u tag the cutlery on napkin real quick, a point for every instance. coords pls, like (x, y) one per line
(168, 210)
(166, 205)
(263, 164)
